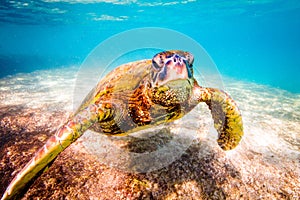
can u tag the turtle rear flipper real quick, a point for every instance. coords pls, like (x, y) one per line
(64, 136)
(225, 113)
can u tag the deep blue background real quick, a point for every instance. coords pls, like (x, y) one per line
(250, 40)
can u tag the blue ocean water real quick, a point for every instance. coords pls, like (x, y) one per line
(254, 40)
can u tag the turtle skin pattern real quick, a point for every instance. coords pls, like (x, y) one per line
(137, 96)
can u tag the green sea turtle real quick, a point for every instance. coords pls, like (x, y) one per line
(137, 96)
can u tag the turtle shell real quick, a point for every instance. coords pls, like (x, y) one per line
(120, 82)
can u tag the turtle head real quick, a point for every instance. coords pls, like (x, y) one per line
(171, 77)
(170, 66)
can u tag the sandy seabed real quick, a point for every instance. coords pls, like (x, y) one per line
(264, 166)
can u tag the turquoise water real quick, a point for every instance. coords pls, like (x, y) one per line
(249, 40)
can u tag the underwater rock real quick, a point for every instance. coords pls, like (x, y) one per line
(265, 165)
(202, 172)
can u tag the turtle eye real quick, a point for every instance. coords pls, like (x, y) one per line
(191, 69)
(155, 65)
(190, 58)
(157, 62)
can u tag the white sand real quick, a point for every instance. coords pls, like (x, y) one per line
(269, 150)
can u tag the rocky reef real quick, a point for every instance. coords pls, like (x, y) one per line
(264, 166)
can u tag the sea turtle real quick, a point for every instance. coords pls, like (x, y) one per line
(135, 96)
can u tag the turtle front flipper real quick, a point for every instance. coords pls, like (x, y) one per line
(225, 113)
(64, 136)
